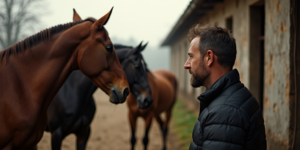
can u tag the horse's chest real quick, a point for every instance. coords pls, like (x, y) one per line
(144, 112)
(29, 131)
(24, 138)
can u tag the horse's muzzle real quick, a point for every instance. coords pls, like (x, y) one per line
(117, 96)
(144, 102)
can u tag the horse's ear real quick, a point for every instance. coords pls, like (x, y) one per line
(144, 46)
(103, 20)
(138, 48)
(76, 17)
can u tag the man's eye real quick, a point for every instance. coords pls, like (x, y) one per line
(109, 48)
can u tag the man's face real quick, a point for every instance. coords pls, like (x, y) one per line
(195, 64)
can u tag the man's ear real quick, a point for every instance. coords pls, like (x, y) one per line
(210, 58)
(76, 17)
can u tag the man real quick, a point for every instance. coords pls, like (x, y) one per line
(230, 117)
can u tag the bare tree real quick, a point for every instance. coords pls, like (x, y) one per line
(17, 18)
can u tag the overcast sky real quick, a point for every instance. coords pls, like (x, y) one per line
(148, 20)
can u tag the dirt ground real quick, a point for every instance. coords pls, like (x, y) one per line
(111, 131)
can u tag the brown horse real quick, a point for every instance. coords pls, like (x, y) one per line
(163, 85)
(33, 70)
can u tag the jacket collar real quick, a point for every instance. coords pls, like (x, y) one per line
(220, 85)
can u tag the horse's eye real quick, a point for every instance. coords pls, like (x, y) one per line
(109, 48)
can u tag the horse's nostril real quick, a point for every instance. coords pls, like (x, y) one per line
(146, 100)
(125, 93)
(114, 94)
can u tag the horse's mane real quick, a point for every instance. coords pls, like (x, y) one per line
(37, 38)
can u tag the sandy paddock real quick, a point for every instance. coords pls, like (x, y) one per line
(111, 131)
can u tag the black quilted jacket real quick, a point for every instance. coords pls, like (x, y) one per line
(230, 118)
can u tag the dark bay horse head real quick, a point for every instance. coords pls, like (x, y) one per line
(136, 71)
(98, 60)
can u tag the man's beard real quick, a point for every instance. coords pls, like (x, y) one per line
(198, 79)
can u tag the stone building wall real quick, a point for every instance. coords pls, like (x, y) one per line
(277, 73)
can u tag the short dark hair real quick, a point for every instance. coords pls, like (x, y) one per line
(217, 39)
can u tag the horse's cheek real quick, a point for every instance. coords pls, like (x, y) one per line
(92, 63)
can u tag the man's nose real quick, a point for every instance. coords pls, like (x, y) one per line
(187, 65)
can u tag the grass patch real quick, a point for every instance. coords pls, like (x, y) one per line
(183, 120)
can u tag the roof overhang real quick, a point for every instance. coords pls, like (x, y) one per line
(195, 10)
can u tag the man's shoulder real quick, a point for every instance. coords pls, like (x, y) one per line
(233, 113)
(236, 97)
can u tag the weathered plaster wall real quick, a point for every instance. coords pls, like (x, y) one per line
(179, 53)
(277, 73)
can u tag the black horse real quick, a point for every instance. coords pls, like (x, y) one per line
(73, 108)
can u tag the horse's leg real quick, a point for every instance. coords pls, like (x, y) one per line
(132, 120)
(148, 120)
(82, 138)
(160, 122)
(163, 127)
(56, 139)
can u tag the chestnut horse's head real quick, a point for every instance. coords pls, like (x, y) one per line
(97, 59)
(136, 72)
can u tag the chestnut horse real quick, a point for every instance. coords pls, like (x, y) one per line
(33, 70)
(163, 88)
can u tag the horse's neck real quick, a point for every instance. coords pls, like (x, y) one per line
(153, 85)
(38, 72)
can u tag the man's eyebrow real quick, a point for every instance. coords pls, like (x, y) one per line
(190, 54)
